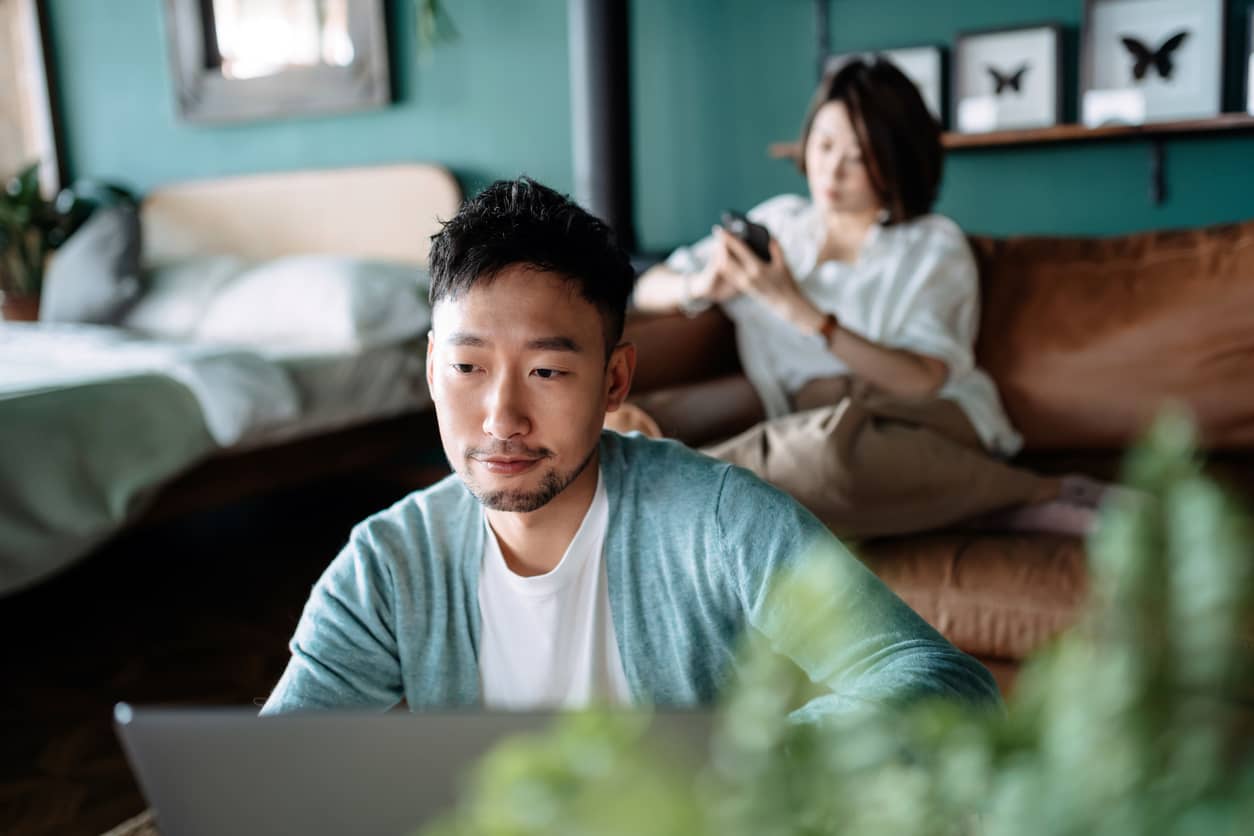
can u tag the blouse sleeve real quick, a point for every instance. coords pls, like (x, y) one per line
(936, 301)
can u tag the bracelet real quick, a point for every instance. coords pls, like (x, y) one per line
(689, 304)
(828, 328)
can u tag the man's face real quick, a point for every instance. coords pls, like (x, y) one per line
(518, 373)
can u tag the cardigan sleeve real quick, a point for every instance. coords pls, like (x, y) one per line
(344, 651)
(818, 605)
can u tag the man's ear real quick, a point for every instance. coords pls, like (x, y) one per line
(430, 365)
(618, 376)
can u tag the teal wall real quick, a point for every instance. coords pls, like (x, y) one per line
(494, 103)
(713, 82)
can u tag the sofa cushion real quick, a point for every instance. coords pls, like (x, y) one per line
(1088, 338)
(992, 595)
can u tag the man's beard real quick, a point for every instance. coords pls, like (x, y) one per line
(521, 502)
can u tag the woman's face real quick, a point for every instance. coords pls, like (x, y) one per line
(836, 173)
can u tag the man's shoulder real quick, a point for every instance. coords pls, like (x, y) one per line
(666, 473)
(663, 461)
(420, 517)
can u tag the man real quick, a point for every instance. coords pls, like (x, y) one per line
(562, 564)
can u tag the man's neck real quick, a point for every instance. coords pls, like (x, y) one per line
(533, 543)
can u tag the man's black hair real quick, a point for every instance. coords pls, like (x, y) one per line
(523, 222)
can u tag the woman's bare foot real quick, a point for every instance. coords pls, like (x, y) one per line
(1083, 491)
(631, 418)
(1065, 505)
(1052, 517)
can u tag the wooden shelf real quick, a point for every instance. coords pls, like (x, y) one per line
(1224, 123)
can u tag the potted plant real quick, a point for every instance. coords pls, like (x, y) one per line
(30, 228)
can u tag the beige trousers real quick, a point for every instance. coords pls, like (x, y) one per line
(869, 465)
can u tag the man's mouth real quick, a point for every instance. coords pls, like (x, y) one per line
(506, 465)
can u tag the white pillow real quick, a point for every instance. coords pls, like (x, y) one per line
(320, 303)
(174, 297)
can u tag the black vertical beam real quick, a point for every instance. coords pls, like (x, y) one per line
(601, 112)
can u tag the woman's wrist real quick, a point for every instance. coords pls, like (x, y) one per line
(807, 318)
(828, 329)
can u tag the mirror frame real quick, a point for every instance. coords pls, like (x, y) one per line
(32, 63)
(205, 95)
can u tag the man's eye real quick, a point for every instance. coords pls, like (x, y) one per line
(548, 374)
(463, 368)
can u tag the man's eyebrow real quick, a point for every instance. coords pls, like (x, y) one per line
(468, 340)
(554, 344)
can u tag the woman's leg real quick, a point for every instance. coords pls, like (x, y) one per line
(866, 474)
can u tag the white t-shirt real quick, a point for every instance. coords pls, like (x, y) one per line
(548, 641)
(913, 287)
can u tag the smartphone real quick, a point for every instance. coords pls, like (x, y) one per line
(755, 235)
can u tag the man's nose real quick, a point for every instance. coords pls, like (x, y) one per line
(506, 413)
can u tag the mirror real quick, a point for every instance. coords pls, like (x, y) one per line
(236, 60)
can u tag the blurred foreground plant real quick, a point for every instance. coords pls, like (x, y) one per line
(1137, 721)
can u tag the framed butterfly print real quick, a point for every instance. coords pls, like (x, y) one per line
(1151, 60)
(1008, 79)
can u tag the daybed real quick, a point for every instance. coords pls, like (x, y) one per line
(280, 337)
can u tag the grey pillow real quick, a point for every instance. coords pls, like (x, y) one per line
(94, 276)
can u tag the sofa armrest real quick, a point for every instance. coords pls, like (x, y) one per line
(706, 411)
(673, 349)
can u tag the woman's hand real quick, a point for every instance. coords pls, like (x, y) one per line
(711, 283)
(771, 282)
(631, 418)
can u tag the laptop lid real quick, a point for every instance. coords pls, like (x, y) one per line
(215, 771)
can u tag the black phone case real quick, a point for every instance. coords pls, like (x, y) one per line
(755, 235)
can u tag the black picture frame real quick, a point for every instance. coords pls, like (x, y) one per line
(1249, 61)
(1213, 70)
(203, 94)
(1052, 106)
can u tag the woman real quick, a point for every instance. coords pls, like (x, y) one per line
(858, 334)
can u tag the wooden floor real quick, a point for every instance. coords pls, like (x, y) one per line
(195, 611)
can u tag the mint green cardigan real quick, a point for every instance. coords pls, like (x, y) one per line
(692, 547)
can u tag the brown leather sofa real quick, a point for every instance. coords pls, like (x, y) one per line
(1086, 339)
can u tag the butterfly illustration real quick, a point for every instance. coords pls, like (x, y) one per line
(1007, 81)
(1160, 58)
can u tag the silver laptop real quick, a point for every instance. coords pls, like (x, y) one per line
(228, 771)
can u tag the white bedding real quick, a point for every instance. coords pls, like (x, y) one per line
(341, 390)
(96, 420)
(239, 392)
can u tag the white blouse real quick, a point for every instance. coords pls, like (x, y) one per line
(913, 287)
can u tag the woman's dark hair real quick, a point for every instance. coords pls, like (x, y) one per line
(898, 136)
(523, 222)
